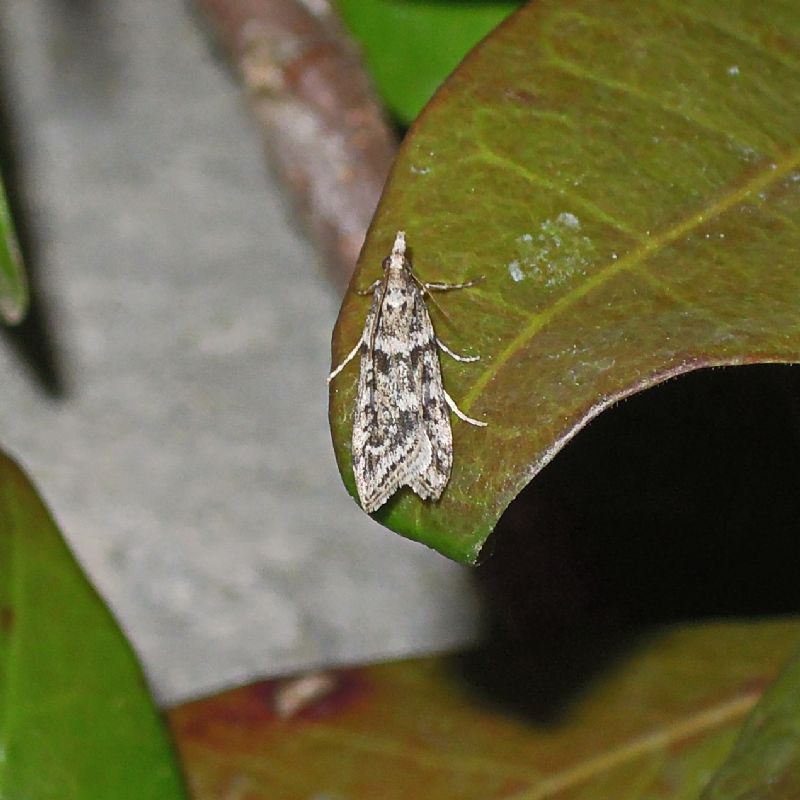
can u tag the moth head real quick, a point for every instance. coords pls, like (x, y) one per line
(397, 260)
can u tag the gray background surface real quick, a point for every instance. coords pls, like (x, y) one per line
(189, 463)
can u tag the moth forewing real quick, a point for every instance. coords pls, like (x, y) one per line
(401, 423)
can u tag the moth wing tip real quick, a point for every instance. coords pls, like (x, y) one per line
(370, 503)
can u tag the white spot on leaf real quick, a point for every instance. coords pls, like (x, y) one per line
(557, 254)
(515, 271)
(570, 220)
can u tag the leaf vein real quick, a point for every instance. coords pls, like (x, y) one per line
(505, 163)
(645, 250)
(738, 36)
(698, 120)
(643, 745)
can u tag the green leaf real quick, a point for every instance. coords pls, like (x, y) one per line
(655, 722)
(765, 763)
(13, 287)
(76, 720)
(627, 177)
(411, 46)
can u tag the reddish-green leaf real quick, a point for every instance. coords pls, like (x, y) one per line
(13, 287)
(627, 177)
(76, 720)
(656, 725)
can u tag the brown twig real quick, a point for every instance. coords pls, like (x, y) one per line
(326, 132)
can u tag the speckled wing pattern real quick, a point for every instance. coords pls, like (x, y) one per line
(401, 426)
(401, 422)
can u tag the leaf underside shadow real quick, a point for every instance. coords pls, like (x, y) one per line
(627, 177)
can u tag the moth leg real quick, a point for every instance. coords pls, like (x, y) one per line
(369, 290)
(456, 356)
(460, 414)
(446, 287)
(351, 355)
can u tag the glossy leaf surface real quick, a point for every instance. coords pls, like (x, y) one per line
(627, 177)
(411, 46)
(76, 719)
(13, 288)
(656, 724)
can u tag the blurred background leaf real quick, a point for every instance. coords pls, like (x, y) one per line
(627, 177)
(411, 46)
(657, 722)
(76, 719)
(13, 289)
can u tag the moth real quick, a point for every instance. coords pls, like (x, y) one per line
(401, 420)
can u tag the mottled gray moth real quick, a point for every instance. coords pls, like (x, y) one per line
(401, 422)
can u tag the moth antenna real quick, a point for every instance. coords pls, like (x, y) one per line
(434, 302)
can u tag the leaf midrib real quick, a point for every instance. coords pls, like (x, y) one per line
(769, 175)
(702, 722)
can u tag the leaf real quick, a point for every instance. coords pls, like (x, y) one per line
(657, 724)
(627, 177)
(76, 720)
(13, 287)
(411, 46)
(765, 763)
